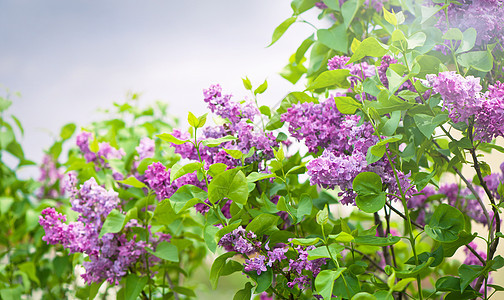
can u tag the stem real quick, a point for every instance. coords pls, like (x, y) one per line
(170, 283)
(213, 205)
(406, 211)
(335, 261)
(147, 237)
(492, 248)
(378, 222)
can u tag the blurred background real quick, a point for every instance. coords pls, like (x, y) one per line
(69, 58)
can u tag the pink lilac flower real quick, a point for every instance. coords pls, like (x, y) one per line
(300, 264)
(105, 151)
(146, 148)
(240, 125)
(241, 241)
(485, 16)
(49, 176)
(489, 120)
(460, 94)
(255, 264)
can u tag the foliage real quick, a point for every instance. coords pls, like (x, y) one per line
(399, 94)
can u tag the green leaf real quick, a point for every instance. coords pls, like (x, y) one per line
(324, 282)
(305, 45)
(468, 273)
(372, 240)
(427, 124)
(322, 216)
(133, 182)
(281, 29)
(363, 296)
(478, 60)
(390, 16)
(171, 139)
(347, 105)
(264, 280)
(450, 248)
(167, 251)
(216, 142)
(265, 110)
(304, 207)
(217, 268)
(231, 184)
(113, 223)
(305, 242)
(414, 271)
(263, 223)
(247, 84)
(236, 154)
(331, 78)
(342, 237)
(445, 224)
(417, 40)
(193, 121)
(245, 293)
(29, 268)
(469, 38)
(254, 176)
(429, 11)
(294, 98)
(370, 197)
(146, 162)
(262, 88)
(4, 104)
(369, 47)
(67, 131)
(453, 34)
(348, 10)
(179, 170)
(335, 38)
(401, 285)
(134, 286)
(332, 4)
(216, 169)
(300, 6)
(187, 196)
(209, 234)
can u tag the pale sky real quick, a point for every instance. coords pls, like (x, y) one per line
(69, 58)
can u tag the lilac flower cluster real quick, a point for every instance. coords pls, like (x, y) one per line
(322, 126)
(301, 269)
(241, 241)
(297, 266)
(462, 97)
(460, 94)
(146, 148)
(50, 175)
(483, 15)
(105, 151)
(109, 256)
(240, 125)
(461, 198)
(358, 71)
(158, 179)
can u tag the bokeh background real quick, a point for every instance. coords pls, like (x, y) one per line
(69, 58)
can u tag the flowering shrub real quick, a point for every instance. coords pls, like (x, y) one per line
(396, 102)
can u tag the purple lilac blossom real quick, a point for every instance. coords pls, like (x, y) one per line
(485, 16)
(255, 264)
(146, 148)
(105, 151)
(241, 241)
(49, 176)
(464, 200)
(489, 120)
(460, 94)
(109, 257)
(240, 125)
(302, 263)
(419, 203)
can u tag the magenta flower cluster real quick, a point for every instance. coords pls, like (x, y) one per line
(322, 126)
(485, 16)
(51, 178)
(105, 150)
(110, 256)
(240, 118)
(301, 269)
(463, 99)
